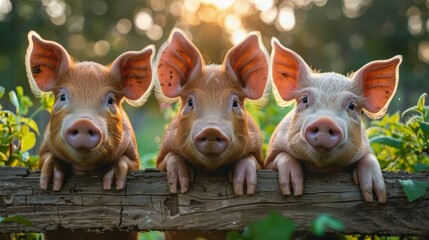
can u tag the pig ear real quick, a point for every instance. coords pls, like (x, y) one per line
(179, 61)
(378, 81)
(289, 70)
(248, 62)
(134, 69)
(44, 61)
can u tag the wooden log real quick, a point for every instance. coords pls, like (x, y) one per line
(210, 204)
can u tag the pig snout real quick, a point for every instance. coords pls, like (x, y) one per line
(323, 133)
(210, 141)
(83, 134)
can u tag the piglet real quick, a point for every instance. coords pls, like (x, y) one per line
(212, 130)
(324, 133)
(88, 130)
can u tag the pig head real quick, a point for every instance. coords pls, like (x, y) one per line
(325, 130)
(212, 129)
(88, 130)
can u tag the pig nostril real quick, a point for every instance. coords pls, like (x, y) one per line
(74, 132)
(331, 132)
(218, 139)
(91, 133)
(315, 130)
(203, 139)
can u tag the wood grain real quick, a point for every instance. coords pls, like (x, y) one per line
(210, 204)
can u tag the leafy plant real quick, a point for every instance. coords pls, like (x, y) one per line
(399, 145)
(275, 226)
(18, 129)
(414, 189)
(23, 221)
(323, 222)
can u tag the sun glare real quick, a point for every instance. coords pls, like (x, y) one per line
(230, 14)
(219, 4)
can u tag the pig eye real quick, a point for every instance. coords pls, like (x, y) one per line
(234, 103)
(305, 100)
(62, 97)
(110, 100)
(352, 106)
(190, 102)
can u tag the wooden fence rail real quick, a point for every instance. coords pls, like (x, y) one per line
(210, 204)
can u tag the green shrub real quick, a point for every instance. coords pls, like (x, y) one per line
(18, 129)
(402, 145)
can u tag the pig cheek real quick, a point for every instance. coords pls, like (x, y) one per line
(294, 139)
(113, 136)
(353, 143)
(239, 138)
(57, 141)
(185, 131)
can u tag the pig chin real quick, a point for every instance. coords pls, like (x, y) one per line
(210, 161)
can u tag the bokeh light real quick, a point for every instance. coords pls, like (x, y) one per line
(5, 8)
(143, 20)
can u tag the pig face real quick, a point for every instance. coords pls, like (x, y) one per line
(326, 127)
(215, 134)
(86, 127)
(212, 125)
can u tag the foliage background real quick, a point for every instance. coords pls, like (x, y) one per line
(330, 35)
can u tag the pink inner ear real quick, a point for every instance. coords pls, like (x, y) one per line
(379, 80)
(47, 60)
(178, 62)
(248, 62)
(287, 70)
(135, 71)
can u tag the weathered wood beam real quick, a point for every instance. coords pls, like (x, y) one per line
(210, 204)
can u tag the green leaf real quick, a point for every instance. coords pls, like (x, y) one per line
(421, 167)
(324, 222)
(424, 126)
(234, 235)
(28, 142)
(31, 123)
(421, 102)
(388, 141)
(414, 189)
(274, 227)
(17, 219)
(1, 91)
(14, 99)
(3, 157)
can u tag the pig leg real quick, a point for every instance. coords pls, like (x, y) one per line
(51, 169)
(118, 173)
(178, 172)
(245, 171)
(368, 175)
(290, 173)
